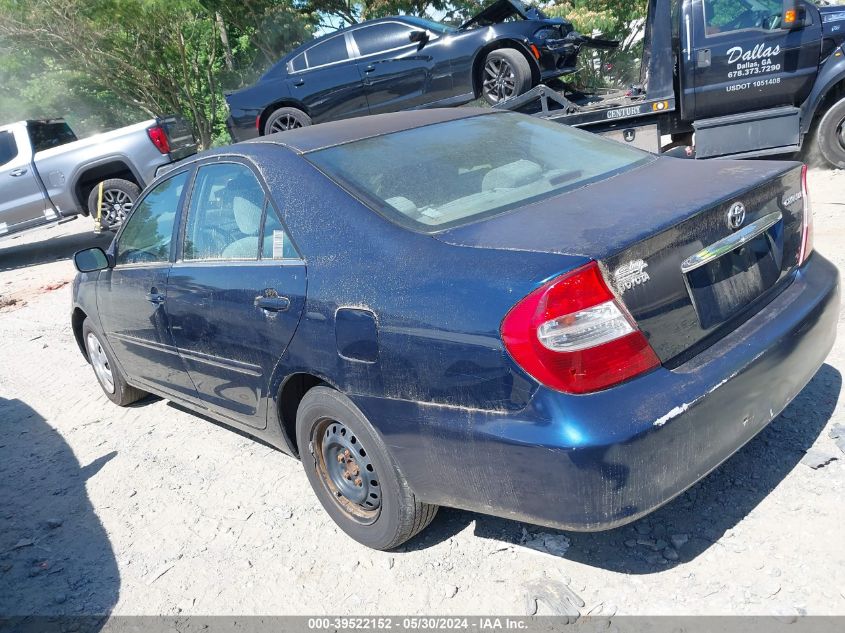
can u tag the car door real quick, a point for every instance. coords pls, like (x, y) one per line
(325, 80)
(131, 296)
(22, 202)
(743, 60)
(236, 293)
(399, 74)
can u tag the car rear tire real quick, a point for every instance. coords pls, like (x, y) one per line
(353, 475)
(285, 119)
(505, 74)
(118, 197)
(108, 374)
(830, 135)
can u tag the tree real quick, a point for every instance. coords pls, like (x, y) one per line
(155, 56)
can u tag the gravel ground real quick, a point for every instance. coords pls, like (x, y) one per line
(153, 510)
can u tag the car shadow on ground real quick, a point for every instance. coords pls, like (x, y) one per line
(55, 555)
(697, 519)
(52, 247)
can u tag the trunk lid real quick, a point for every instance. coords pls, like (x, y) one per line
(657, 247)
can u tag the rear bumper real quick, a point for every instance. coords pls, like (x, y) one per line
(596, 462)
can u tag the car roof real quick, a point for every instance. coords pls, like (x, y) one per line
(315, 137)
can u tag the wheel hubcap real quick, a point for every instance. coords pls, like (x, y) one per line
(346, 471)
(100, 362)
(285, 122)
(499, 80)
(840, 133)
(115, 207)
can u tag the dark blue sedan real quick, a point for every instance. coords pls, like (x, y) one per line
(464, 308)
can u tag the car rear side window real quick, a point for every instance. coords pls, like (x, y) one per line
(328, 52)
(224, 218)
(381, 37)
(276, 242)
(448, 174)
(8, 147)
(148, 232)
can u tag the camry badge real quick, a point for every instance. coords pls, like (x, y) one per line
(736, 216)
(631, 275)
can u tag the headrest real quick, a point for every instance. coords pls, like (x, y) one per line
(247, 215)
(404, 206)
(512, 175)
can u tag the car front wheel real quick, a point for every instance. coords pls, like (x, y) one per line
(831, 135)
(505, 74)
(108, 374)
(353, 475)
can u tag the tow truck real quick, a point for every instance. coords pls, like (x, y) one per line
(721, 79)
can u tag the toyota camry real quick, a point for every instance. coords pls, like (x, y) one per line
(467, 308)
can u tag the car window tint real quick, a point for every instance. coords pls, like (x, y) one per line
(8, 147)
(483, 166)
(298, 63)
(224, 219)
(328, 52)
(381, 37)
(276, 242)
(725, 16)
(149, 230)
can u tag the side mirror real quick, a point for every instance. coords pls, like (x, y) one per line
(91, 260)
(418, 36)
(794, 15)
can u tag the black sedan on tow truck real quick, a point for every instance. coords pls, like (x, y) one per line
(405, 63)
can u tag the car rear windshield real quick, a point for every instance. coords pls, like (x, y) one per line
(448, 174)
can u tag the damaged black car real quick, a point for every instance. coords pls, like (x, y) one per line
(404, 63)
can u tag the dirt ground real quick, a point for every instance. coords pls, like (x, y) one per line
(154, 510)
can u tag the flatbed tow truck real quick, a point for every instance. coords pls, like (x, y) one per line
(721, 79)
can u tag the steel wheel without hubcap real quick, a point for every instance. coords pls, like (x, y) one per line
(285, 122)
(115, 207)
(100, 362)
(346, 471)
(499, 80)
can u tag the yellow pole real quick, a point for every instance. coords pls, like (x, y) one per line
(99, 209)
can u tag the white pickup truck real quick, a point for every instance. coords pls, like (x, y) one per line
(47, 175)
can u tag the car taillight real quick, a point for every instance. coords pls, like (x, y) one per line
(573, 336)
(807, 236)
(159, 138)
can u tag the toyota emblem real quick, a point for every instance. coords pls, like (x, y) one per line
(736, 216)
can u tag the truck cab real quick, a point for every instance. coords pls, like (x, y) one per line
(724, 78)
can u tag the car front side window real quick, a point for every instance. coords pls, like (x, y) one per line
(725, 16)
(224, 218)
(148, 232)
(8, 148)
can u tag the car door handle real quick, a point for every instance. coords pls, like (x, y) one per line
(299, 82)
(156, 298)
(16, 173)
(370, 69)
(703, 58)
(272, 304)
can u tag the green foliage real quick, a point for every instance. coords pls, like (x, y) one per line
(621, 20)
(105, 63)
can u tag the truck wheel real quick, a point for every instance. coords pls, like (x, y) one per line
(506, 74)
(108, 374)
(118, 197)
(285, 119)
(353, 475)
(831, 135)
